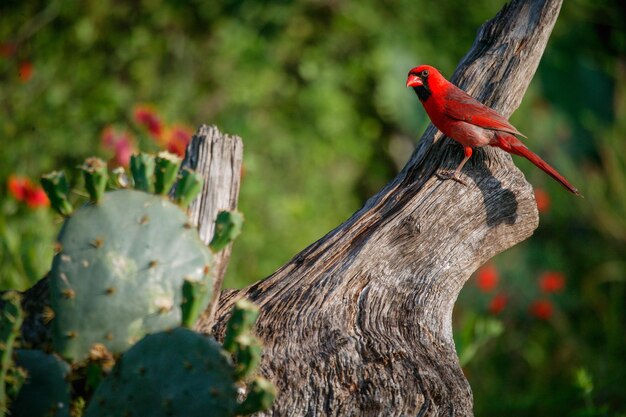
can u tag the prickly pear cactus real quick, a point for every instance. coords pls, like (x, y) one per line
(227, 227)
(180, 372)
(120, 270)
(240, 341)
(261, 395)
(46, 392)
(177, 372)
(129, 270)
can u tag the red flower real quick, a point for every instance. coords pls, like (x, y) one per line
(542, 309)
(17, 187)
(177, 138)
(487, 278)
(147, 117)
(121, 143)
(552, 282)
(26, 71)
(36, 197)
(124, 149)
(25, 191)
(543, 200)
(497, 303)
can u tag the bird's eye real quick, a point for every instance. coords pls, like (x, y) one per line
(425, 73)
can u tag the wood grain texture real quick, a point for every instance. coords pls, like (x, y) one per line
(359, 323)
(218, 157)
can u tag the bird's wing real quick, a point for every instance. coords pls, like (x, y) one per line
(461, 106)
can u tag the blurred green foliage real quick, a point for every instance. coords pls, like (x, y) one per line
(316, 90)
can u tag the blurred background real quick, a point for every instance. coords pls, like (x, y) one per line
(316, 90)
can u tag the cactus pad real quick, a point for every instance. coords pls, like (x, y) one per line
(120, 272)
(46, 391)
(227, 227)
(176, 372)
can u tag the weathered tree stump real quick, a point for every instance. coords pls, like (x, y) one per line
(218, 158)
(359, 323)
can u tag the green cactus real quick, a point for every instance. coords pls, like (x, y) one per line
(120, 270)
(247, 355)
(261, 395)
(46, 392)
(55, 186)
(188, 187)
(142, 168)
(242, 319)
(165, 172)
(196, 296)
(177, 372)
(131, 268)
(228, 226)
(96, 177)
(167, 373)
(246, 348)
(11, 318)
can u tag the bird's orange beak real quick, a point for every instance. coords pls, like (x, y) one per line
(414, 81)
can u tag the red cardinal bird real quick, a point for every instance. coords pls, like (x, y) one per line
(470, 122)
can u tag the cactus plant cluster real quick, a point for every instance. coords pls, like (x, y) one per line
(121, 263)
(117, 277)
(128, 281)
(200, 377)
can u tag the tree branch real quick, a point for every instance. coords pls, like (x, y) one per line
(359, 323)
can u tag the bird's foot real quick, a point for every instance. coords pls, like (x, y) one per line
(450, 175)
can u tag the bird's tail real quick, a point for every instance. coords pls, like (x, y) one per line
(513, 145)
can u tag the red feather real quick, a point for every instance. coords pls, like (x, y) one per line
(461, 106)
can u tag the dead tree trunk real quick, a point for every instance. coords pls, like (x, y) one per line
(359, 323)
(218, 157)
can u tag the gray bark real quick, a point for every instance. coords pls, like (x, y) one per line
(218, 157)
(359, 323)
